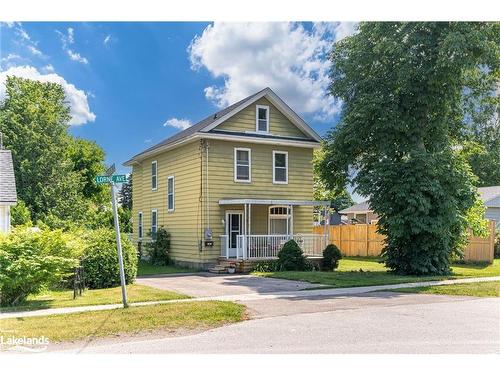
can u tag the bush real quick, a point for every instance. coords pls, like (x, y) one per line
(497, 244)
(32, 260)
(100, 260)
(331, 257)
(20, 214)
(266, 266)
(291, 258)
(158, 249)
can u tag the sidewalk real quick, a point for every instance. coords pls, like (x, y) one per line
(252, 297)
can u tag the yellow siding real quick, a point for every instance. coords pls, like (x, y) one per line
(222, 186)
(183, 224)
(244, 121)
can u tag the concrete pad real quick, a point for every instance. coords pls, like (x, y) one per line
(204, 284)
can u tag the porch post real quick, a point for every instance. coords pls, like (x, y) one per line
(326, 230)
(288, 222)
(291, 219)
(245, 223)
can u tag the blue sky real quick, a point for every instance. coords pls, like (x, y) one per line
(133, 84)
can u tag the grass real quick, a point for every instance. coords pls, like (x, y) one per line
(64, 298)
(358, 271)
(486, 289)
(144, 269)
(173, 316)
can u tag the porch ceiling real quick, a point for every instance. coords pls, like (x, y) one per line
(276, 202)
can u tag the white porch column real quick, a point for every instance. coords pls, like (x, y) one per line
(291, 219)
(245, 223)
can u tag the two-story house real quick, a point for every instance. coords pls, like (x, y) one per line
(236, 185)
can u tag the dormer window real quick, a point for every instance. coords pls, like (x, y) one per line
(262, 119)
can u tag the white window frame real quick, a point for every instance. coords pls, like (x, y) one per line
(171, 209)
(257, 107)
(274, 167)
(155, 175)
(156, 226)
(236, 179)
(288, 217)
(140, 225)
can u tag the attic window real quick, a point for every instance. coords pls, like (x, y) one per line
(262, 119)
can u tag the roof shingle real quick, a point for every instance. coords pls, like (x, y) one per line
(7, 179)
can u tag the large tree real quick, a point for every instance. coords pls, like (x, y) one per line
(407, 90)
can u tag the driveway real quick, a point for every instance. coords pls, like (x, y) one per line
(206, 284)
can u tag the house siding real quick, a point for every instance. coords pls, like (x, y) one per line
(244, 121)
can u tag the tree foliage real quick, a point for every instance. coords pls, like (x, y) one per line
(125, 196)
(411, 92)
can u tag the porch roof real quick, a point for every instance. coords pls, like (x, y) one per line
(277, 202)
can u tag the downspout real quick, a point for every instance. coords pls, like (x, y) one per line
(208, 195)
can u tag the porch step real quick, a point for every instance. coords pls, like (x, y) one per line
(218, 269)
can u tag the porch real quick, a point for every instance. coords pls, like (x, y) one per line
(275, 223)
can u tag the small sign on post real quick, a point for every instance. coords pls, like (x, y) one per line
(111, 179)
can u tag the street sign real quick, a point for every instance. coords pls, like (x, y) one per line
(117, 179)
(111, 170)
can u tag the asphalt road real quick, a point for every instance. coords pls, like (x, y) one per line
(382, 322)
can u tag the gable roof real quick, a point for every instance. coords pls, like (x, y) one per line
(489, 193)
(359, 207)
(207, 124)
(7, 180)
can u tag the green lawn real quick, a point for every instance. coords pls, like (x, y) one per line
(193, 315)
(144, 268)
(356, 271)
(64, 298)
(486, 289)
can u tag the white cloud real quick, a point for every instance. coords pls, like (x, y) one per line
(80, 110)
(25, 39)
(75, 56)
(48, 68)
(10, 57)
(284, 56)
(67, 40)
(178, 123)
(35, 51)
(107, 40)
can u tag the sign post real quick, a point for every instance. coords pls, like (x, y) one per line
(112, 180)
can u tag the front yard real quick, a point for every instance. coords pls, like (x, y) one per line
(356, 271)
(172, 316)
(485, 289)
(146, 269)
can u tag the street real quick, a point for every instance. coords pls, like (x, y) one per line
(379, 322)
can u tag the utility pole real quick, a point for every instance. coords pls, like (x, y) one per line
(119, 244)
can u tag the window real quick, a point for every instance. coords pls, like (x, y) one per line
(154, 179)
(280, 167)
(139, 227)
(154, 223)
(262, 118)
(170, 193)
(242, 164)
(280, 220)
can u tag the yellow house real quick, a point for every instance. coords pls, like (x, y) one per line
(236, 185)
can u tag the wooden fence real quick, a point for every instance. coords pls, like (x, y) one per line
(363, 240)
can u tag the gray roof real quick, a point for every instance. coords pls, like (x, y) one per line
(7, 180)
(359, 207)
(488, 193)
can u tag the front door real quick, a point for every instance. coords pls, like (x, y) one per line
(234, 227)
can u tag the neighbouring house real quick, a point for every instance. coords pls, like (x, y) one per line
(8, 195)
(361, 212)
(234, 186)
(491, 198)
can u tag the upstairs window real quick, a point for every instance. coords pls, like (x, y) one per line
(154, 178)
(139, 226)
(242, 164)
(280, 167)
(262, 119)
(170, 193)
(154, 223)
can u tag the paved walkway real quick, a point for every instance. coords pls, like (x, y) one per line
(297, 294)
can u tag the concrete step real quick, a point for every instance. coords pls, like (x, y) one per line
(218, 269)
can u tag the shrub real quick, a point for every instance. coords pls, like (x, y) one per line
(158, 249)
(100, 260)
(291, 258)
(497, 244)
(331, 257)
(20, 214)
(32, 260)
(266, 266)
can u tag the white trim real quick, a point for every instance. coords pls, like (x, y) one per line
(236, 179)
(277, 202)
(228, 230)
(286, 167)
(287, 217)
(155, 175)
(140, 225)
(151, 223)
(266, 107)
(173, 193)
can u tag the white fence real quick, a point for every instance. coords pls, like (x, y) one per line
(262, 246)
